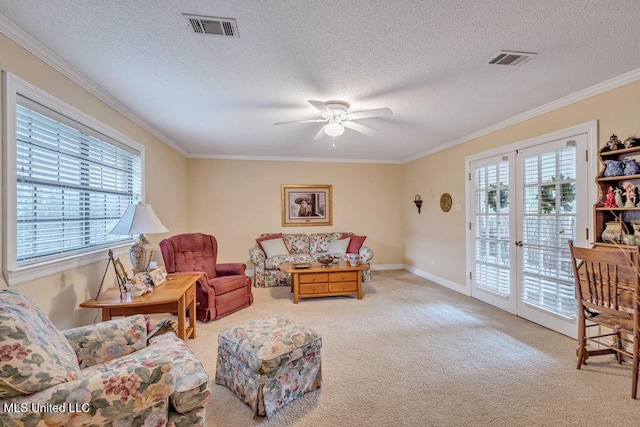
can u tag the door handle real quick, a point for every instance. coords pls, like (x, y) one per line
(519, 243)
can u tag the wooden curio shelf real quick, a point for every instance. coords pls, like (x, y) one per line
(618, 178)
(618, 152)
(603, 215)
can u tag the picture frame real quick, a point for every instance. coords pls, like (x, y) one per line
(306, 205)
(158, 276)
(121, 273)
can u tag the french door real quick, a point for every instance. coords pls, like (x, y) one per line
(527, 204)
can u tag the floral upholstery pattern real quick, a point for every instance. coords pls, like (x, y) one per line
(319, 242)
(121, 383)
(192, 381)
(269, 362)
(34, 355)
(303, 248)
(98, 345)
(129, 395)
(297, 243)
(274, 262)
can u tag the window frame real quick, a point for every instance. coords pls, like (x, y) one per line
(14, 274)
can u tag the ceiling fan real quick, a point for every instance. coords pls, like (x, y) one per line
(336, 115)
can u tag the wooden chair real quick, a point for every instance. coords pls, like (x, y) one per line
(607, 290)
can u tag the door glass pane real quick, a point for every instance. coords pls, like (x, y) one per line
(492, 228)
(549, 220)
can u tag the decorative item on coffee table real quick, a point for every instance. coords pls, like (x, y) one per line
(325, 260)
(354, 259)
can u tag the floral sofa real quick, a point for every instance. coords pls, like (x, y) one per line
(302, 248)
(104, 374)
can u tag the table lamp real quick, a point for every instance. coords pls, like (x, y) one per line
(139, 219)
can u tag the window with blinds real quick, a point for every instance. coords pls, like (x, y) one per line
(72, 185)
(492, 228)
(549, 220)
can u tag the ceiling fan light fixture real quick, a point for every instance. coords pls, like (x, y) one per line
(334, 129)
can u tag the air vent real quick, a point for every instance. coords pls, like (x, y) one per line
(506, 57)
(210, 25)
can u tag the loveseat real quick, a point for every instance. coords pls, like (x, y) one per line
(103, 374)
(301, 248)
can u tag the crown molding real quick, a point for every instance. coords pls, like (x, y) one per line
(614, 83)
(32, 45)
(293, 159)
(24, 39)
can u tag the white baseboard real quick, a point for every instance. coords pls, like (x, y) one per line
(439, 280)
(387, 267)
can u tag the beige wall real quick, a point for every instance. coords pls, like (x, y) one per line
(435, 241)
(236, 201)
(59, 295)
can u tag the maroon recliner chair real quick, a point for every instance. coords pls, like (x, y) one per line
(223, 289)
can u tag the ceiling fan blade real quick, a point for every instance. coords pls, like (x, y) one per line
(378, 112)
(302, 121)
(319, 135)
(321, 107)
(360, 128)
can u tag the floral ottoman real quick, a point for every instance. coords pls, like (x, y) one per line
(269, 362)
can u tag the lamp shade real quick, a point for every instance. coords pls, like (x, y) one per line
(139, 219)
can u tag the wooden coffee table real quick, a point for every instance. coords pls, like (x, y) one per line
(174, 296)
(317, 281)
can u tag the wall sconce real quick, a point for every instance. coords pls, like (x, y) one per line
(418, 202)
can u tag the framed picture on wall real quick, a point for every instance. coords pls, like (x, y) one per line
(306, 205)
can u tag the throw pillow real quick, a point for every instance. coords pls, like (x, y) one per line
(339, 246)
(274, 247)
(355, 244)
(269, 237)
(34, 355)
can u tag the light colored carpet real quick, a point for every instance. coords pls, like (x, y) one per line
(414, 353)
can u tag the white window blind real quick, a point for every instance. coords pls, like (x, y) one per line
(72, 184)
(549, 220)
(492, 228)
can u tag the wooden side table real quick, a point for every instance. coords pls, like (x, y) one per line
(174, 296)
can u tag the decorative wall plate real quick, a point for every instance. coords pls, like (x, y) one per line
(445, 202)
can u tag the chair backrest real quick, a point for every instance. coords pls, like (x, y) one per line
(190, 252)
(606, 279)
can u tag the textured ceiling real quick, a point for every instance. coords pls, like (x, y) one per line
(425, 60)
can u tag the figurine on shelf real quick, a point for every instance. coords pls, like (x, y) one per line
(614, 143)
(618, 198)
(610, 201)
(630, 194)
(632, 141)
